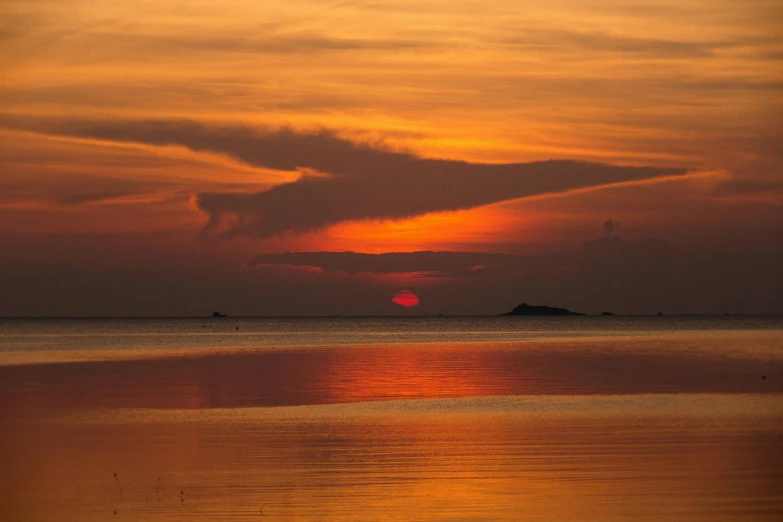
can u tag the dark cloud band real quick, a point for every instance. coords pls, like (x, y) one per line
(360, 181)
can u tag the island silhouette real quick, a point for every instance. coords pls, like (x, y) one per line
(526, 309)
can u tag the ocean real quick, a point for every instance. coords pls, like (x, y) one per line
(431, 418)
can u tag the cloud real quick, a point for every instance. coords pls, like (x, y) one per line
(558, 40)
(596, 255)
(168, 274)
(753, 186)
(277, 43)
(610, 228)
(63, 188)
(609, 273)
(424, 263)
(360, 182)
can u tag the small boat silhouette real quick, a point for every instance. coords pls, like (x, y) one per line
(218, 314)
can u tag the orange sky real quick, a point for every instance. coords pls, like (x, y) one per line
(693, 84)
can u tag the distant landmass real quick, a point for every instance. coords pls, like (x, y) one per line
(526, 309)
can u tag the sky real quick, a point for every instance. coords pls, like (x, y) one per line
(390, 157)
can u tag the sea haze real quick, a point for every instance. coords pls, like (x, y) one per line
(486, 418)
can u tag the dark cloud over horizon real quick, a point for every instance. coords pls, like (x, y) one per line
(609, 273)
(138, 275)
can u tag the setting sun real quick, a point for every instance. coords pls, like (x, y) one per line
(406, 298)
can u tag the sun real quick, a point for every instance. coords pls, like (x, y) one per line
(406, 298)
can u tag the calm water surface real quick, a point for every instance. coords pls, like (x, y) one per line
(497, 418)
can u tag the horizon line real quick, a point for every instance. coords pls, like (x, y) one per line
(349, 316)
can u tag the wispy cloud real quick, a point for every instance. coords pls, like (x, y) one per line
(560, 40)
(424, 263)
